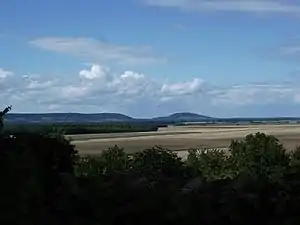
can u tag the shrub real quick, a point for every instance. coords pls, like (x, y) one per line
(259, 155)
(112, 160)
(158, 163)
(88, 166)
(295, 160)
(115, 159)
(211, 164)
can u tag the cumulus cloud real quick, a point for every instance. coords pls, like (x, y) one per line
(34, 82)
(4, 73)
(95, 50)
(185, 88)
(95, 73)
(267, 6)
(98, 89)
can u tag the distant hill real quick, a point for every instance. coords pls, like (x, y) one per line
(183, 117)
(97, 117)
(117, 117)
(66, 117)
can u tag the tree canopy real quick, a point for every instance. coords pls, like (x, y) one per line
(45, 181)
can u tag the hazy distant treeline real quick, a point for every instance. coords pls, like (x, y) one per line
(71, 128)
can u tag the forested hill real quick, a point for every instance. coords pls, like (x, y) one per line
(67, 117)
(97, 117)
(117, 117)
(184, 117)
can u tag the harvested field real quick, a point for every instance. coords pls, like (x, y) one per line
(183, 137)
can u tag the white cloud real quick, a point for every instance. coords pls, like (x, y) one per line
(4, 73)
(95, 72)
(73, 92)
(99, 51)
(185, 88)
(34, 82)
(131, 83)
(271, 6)
(98, 89)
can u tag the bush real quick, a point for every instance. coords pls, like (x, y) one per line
(109, 161)
(295, 160)
(88, 166)
(259, 155)
(115, 159)
(158, 163)
(212, 164)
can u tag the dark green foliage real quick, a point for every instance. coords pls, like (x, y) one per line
(157, 163)
(44, 181)
(32, 168)
(88, 166)
(2, 114)
(87, 128)
(295, 161)
(259, 155)
(115, 159)
(112, 160)
(212, 164)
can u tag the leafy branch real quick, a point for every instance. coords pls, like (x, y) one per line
(2, 114)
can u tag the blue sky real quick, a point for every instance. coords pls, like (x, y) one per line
(151, 57)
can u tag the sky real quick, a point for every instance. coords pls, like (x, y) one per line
(146, 58)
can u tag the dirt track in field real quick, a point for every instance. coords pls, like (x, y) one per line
(183, 138)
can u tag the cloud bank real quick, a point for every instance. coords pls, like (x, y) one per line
(98, 89)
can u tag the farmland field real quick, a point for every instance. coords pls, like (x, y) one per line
(182, 138)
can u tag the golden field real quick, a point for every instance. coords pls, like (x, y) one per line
(182, 138)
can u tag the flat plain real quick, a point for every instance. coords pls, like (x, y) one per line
(182, 138)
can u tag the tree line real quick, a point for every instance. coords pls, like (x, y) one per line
(45, 181)
(80, 128)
